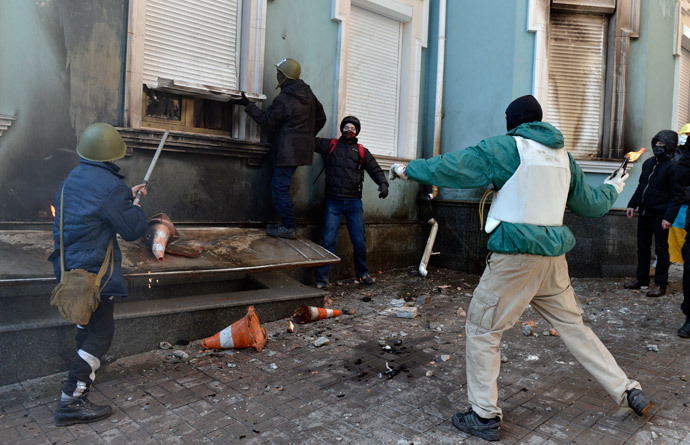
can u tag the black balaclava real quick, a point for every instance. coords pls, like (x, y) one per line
(668, 137)
(350, 120)
(522, 110)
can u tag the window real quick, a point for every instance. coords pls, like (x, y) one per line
(577, 73)
(373, 78)
(186, 59)
(683, 115)
(580, 72)
(378, 73)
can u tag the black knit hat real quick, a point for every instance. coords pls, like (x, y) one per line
(522, 110)
(350, 120)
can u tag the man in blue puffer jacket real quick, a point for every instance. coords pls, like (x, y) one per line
(97, 206)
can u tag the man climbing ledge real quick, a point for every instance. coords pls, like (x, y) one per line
(536, 179)
(293, 119)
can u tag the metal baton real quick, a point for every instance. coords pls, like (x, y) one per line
(152, 165)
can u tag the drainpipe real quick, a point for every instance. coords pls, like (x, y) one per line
(438, 116)
(440, 64)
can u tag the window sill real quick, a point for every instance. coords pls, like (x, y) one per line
(255, 153)
(589, 166)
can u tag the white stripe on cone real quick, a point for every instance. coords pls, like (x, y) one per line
(226, 338)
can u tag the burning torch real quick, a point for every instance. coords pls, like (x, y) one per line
(152, 165)
(629, 157)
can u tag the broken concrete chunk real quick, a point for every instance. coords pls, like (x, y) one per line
(321, 341)
(397, 303)
(461, 313)
(423, 299)
(429, 373)
(164, 345)
(653, 348)
(406, 312)
(527, 330)
(445, 358)
(180, 354)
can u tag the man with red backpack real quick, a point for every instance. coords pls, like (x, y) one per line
(345, 162)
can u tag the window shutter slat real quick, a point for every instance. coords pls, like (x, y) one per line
(191, 41)
(577, 69)
(373, 78)
(684, 89)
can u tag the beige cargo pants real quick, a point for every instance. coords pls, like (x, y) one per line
(508, 285)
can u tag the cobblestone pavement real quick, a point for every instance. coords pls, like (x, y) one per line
(343, 392)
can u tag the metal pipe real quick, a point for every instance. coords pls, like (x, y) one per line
(429, 246)
(152, 165)
(440, 67)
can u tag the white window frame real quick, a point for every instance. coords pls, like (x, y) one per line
(251, 44)
(414, 16)
(682, 41)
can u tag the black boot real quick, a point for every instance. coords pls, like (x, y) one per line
(71, 411)
(684, 331)
(638, 401)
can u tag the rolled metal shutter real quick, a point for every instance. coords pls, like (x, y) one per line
(192, 42)
(577, 70)
(684, 89)
(373, 78)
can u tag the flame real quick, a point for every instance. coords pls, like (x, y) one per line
(634, 155)
(52, 210)
(291, 328)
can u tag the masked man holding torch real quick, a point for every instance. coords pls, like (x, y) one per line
(536, 179)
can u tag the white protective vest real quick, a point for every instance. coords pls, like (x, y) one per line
(538, 190)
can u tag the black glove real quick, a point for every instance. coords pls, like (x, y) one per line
(242, 101)
(383, 188)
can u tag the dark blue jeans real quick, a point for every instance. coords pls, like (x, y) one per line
(646, 227)
(280, 187)
(336, 208)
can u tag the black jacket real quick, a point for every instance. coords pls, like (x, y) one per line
(681, 186)
(653, 193)
(344, 170)
(292, 120)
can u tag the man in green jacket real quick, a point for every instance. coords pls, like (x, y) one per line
(535, 179)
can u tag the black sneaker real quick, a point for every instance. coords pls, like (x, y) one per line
(638, 401)
(281, 231)
(656, 291)
(69, 412)
(634, 284)
(684, 331)
(471, 423)
(366, 279)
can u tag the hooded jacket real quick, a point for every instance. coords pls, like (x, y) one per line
(491, 163)
(653, 193)
(345, 170)
(97, 207)
(292, 120)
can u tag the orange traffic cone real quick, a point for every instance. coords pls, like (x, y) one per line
(244, 333)
(305, 314)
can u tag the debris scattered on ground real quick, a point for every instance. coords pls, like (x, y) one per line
(164, 345)
(445, 358)
(461, 313)
(180, 354)
(429, 373)
(424, 299)
(273, 366)
(532, 358)
(527, 330)
(397, 303)
(653, 348)
(321, 341)
(504, 358)
(406, 312)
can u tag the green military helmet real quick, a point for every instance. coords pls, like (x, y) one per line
(290, 68)
(101, 142)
